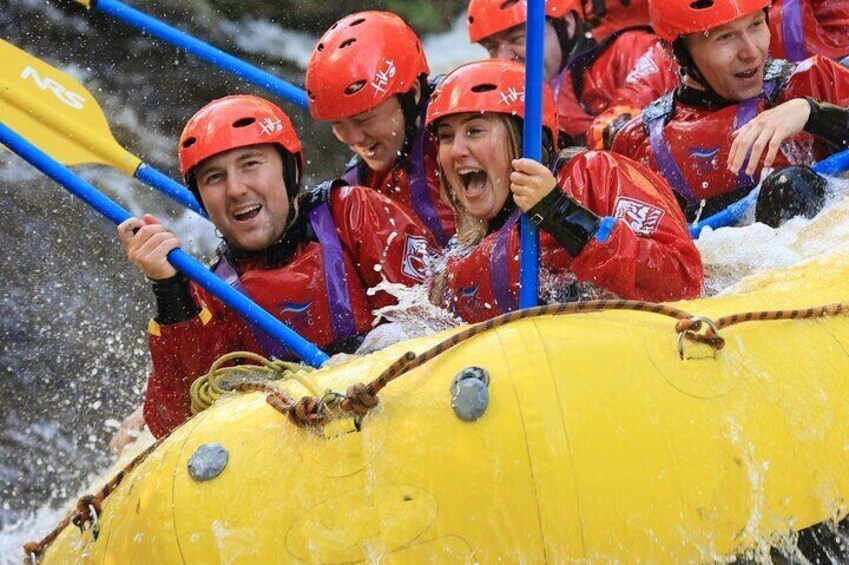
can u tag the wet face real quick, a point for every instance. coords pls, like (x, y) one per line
(510, 44)
(474, 155)
(245, 195)
(732, 56)
(376, 135)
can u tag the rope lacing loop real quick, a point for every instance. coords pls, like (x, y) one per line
(88, 510)
(359, 400)
(32, 550)
(308, 412)
(688, 328)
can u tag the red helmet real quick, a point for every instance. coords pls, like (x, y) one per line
(494, 85)
(673, 18)
(362, 60)
(237, 121)
(488, 17)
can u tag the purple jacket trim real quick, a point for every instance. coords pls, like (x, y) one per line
(793, 31)
(746, 110)
(352, 175)
(335, 278)
(499, 275)
(419, 191)
(664, 159)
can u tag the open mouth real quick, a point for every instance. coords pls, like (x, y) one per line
(370, 151)
(246, 213)
(474, 181)
(748, 73)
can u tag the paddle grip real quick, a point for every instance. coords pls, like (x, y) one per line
(832, 165)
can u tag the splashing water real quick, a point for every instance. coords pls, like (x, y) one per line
(731, 254)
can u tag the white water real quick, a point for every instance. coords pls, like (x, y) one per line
(729, 254)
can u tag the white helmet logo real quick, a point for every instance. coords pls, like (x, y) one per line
(512, 95)
(270, 125)
(383, 76)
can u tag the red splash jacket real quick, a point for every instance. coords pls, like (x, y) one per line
(804, 28)
(624, 72)
(351, 243)
(686, 135)
(645, 251)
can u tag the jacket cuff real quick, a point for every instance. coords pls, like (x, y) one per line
(828, 122)
(174, 301)
(571, 224)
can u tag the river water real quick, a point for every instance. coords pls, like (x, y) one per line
(73, 354)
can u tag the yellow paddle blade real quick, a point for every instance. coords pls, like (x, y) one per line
(56, 113)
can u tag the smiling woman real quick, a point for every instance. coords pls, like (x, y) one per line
(605, 219)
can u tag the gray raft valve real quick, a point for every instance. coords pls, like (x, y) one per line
(470, 393)
(208, 461)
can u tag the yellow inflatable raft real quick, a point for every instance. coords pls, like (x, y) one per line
(598, 444)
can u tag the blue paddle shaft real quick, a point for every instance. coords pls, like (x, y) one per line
(182, 261)
(532, 146)
(203, 50)
(833, 165)
(169, 188)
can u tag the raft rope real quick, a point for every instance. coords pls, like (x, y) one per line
(359, 398)
(218, 380)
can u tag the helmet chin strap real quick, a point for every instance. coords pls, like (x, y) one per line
(566, 38)
(411, 108)
(688, 65)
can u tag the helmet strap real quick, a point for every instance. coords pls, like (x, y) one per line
(567, 37)
(412, 108)
(688, 65)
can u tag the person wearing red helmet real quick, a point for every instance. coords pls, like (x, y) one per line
(605, 220)
(737, 112)
(613, 77)
(367, 76)
(308, 258)
(803, 28)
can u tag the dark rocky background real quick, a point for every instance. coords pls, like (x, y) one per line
(73, 352)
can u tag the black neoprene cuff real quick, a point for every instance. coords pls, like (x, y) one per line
(570, 223)
(828, 122)
(174, 301)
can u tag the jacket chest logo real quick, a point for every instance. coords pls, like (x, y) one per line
(415, 261)
(383, 76)
(641, 217)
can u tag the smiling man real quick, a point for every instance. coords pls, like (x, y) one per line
(368, 77)
(737, 112)
(596, 82)
(307, 258)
